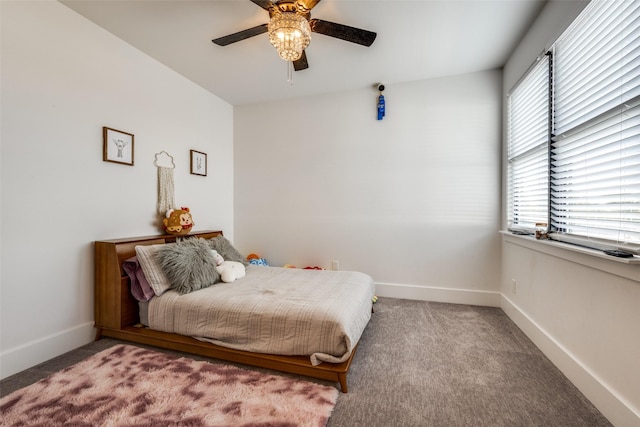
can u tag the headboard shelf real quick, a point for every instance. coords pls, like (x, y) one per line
(168, 238)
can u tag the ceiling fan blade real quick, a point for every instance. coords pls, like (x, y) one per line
(241, 35)
(301, 63)
(308, 4)
(265, 4)
(344, 32)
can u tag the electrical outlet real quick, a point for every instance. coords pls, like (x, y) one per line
(514, 286)
(335, 265)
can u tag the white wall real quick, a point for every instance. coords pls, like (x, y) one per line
(412, 200)
(582, 311)
(63, 79)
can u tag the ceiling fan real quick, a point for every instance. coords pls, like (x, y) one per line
(290, 27)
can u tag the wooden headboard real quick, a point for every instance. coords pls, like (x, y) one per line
(115, 307)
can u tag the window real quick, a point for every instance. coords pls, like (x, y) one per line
(590, 153)
(528, 151)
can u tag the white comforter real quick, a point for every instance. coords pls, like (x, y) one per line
(274, 310)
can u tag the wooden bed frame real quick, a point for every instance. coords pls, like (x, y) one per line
(116, 316)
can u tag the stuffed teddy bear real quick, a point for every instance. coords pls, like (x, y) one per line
(228, 270)
(178, 221)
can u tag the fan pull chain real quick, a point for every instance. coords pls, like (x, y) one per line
(290, 72)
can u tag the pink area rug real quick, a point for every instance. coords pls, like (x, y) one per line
(131, 386)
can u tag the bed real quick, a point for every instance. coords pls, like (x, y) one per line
(117, 314)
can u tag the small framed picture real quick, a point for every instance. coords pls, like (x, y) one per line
(198, 163)
(117, 146)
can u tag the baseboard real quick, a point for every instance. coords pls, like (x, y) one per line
(35, 352)
(608, 402)
(429, 293)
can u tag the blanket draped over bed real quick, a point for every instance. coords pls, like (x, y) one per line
(274, 310)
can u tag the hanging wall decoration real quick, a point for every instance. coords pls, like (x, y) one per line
(198, 163)
(381, 104)
(166, 192)
(117, 146)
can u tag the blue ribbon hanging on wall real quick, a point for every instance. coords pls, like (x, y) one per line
(380, 107)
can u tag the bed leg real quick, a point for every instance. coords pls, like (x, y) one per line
(342, 378)
(98, 334)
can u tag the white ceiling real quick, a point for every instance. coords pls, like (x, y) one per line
(417, 39)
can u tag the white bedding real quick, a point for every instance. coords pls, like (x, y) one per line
(274, 310)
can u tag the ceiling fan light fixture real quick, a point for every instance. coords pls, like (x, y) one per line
(290, 34)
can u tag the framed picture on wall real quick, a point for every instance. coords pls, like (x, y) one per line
(198, 163)
(117, 146)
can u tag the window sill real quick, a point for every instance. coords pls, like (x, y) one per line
(624, 267)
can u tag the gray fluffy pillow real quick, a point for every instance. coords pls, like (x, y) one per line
(226, 249)
(188, 265)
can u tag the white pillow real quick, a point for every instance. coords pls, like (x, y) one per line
(150, 263)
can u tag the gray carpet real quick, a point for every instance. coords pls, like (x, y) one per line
(432, 364)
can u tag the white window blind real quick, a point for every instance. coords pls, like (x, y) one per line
(528, 152)
(595, 166)
(597, 62)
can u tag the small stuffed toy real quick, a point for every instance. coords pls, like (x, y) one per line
(178, 221)
(259, 261)
(228, 270)
(256, 260)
